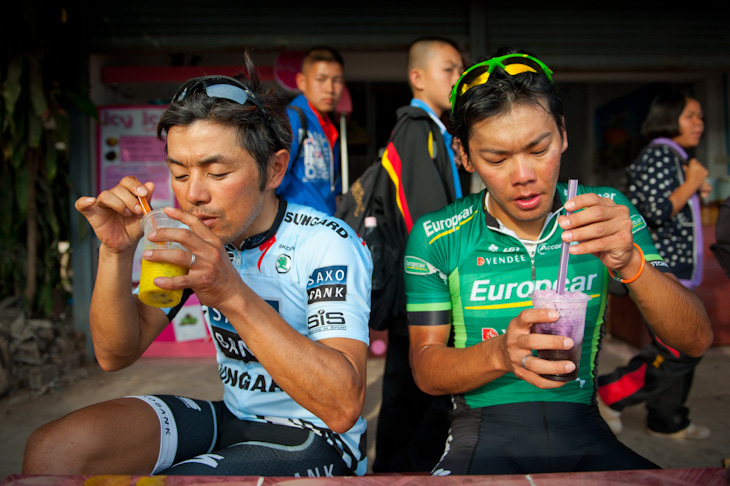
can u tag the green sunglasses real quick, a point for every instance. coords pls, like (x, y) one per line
(512, 64)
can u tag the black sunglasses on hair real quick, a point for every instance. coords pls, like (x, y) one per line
(222, 87)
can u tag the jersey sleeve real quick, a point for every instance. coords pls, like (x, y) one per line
(428, 299)
(338, 284)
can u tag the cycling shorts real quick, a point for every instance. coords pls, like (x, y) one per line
(534, 437)
(200, 437)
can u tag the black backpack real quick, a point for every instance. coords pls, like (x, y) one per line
(366, 202)
(721, 248)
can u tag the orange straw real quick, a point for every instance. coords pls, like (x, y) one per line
(145, 205)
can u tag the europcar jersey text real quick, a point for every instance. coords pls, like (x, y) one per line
(316, 273)
(459, 262)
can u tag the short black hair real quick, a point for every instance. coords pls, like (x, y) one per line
(322, 53)
(261, 133)
(500, 94)
(663, 117)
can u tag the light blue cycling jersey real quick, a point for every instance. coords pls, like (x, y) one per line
(316, 272)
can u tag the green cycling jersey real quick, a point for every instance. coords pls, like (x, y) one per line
(463, 267)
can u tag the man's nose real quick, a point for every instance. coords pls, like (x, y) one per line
(197, 190)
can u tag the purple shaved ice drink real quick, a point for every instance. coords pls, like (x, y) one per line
(572, 309)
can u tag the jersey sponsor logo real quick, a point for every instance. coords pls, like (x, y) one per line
(308, 220)
(219, 320)
(485, 291)
(637, 223)
(232, 346)
(326, 321)
(480, 261)
(327, 284)
(543, 248)
(489, 333)
(283, 263)
(504, 259)
(244, 380)
(448, 224)
(418, 266)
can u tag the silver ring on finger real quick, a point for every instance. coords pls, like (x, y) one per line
(192, 261)
(524, 359)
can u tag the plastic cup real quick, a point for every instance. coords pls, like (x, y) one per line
(572, 309)
(149, 293)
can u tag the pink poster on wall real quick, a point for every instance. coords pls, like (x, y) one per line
(127, 145)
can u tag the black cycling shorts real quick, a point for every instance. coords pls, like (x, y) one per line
(534, 437)
(200, 437)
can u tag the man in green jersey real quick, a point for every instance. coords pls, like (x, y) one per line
(471, 267)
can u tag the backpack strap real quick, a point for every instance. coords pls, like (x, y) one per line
(302, 130)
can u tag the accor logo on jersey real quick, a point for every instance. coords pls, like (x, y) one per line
(327, 284)
(309, 220)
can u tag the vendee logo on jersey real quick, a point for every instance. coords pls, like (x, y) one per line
(327, 284)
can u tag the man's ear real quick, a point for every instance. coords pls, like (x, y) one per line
(415, 76)
(464, 156)
(301, 81)
(564, 135)
(277, 169)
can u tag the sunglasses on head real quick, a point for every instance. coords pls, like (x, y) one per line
(222, 87)
(512, 64)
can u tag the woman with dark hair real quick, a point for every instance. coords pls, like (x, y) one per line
(665, 185)
(470, 269)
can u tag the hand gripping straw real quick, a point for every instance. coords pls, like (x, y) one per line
(563, 268)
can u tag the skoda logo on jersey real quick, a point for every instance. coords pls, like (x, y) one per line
(283, 263)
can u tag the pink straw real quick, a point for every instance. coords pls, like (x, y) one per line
(564, 255)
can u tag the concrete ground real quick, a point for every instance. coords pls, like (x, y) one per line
(197, 377)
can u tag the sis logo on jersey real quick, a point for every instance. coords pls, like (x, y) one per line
(327, 284)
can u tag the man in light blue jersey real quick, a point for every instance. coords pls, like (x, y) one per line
(286, 291)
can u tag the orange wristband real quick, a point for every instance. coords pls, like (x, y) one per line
(641, 269)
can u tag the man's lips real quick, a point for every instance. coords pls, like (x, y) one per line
(206, 219)
(530, 201)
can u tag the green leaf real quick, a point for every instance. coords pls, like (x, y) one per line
(44, 298)
(12, 88)
(85, 105)
(22, 179)
(35, 132)
(51, 161)
(37, 95)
